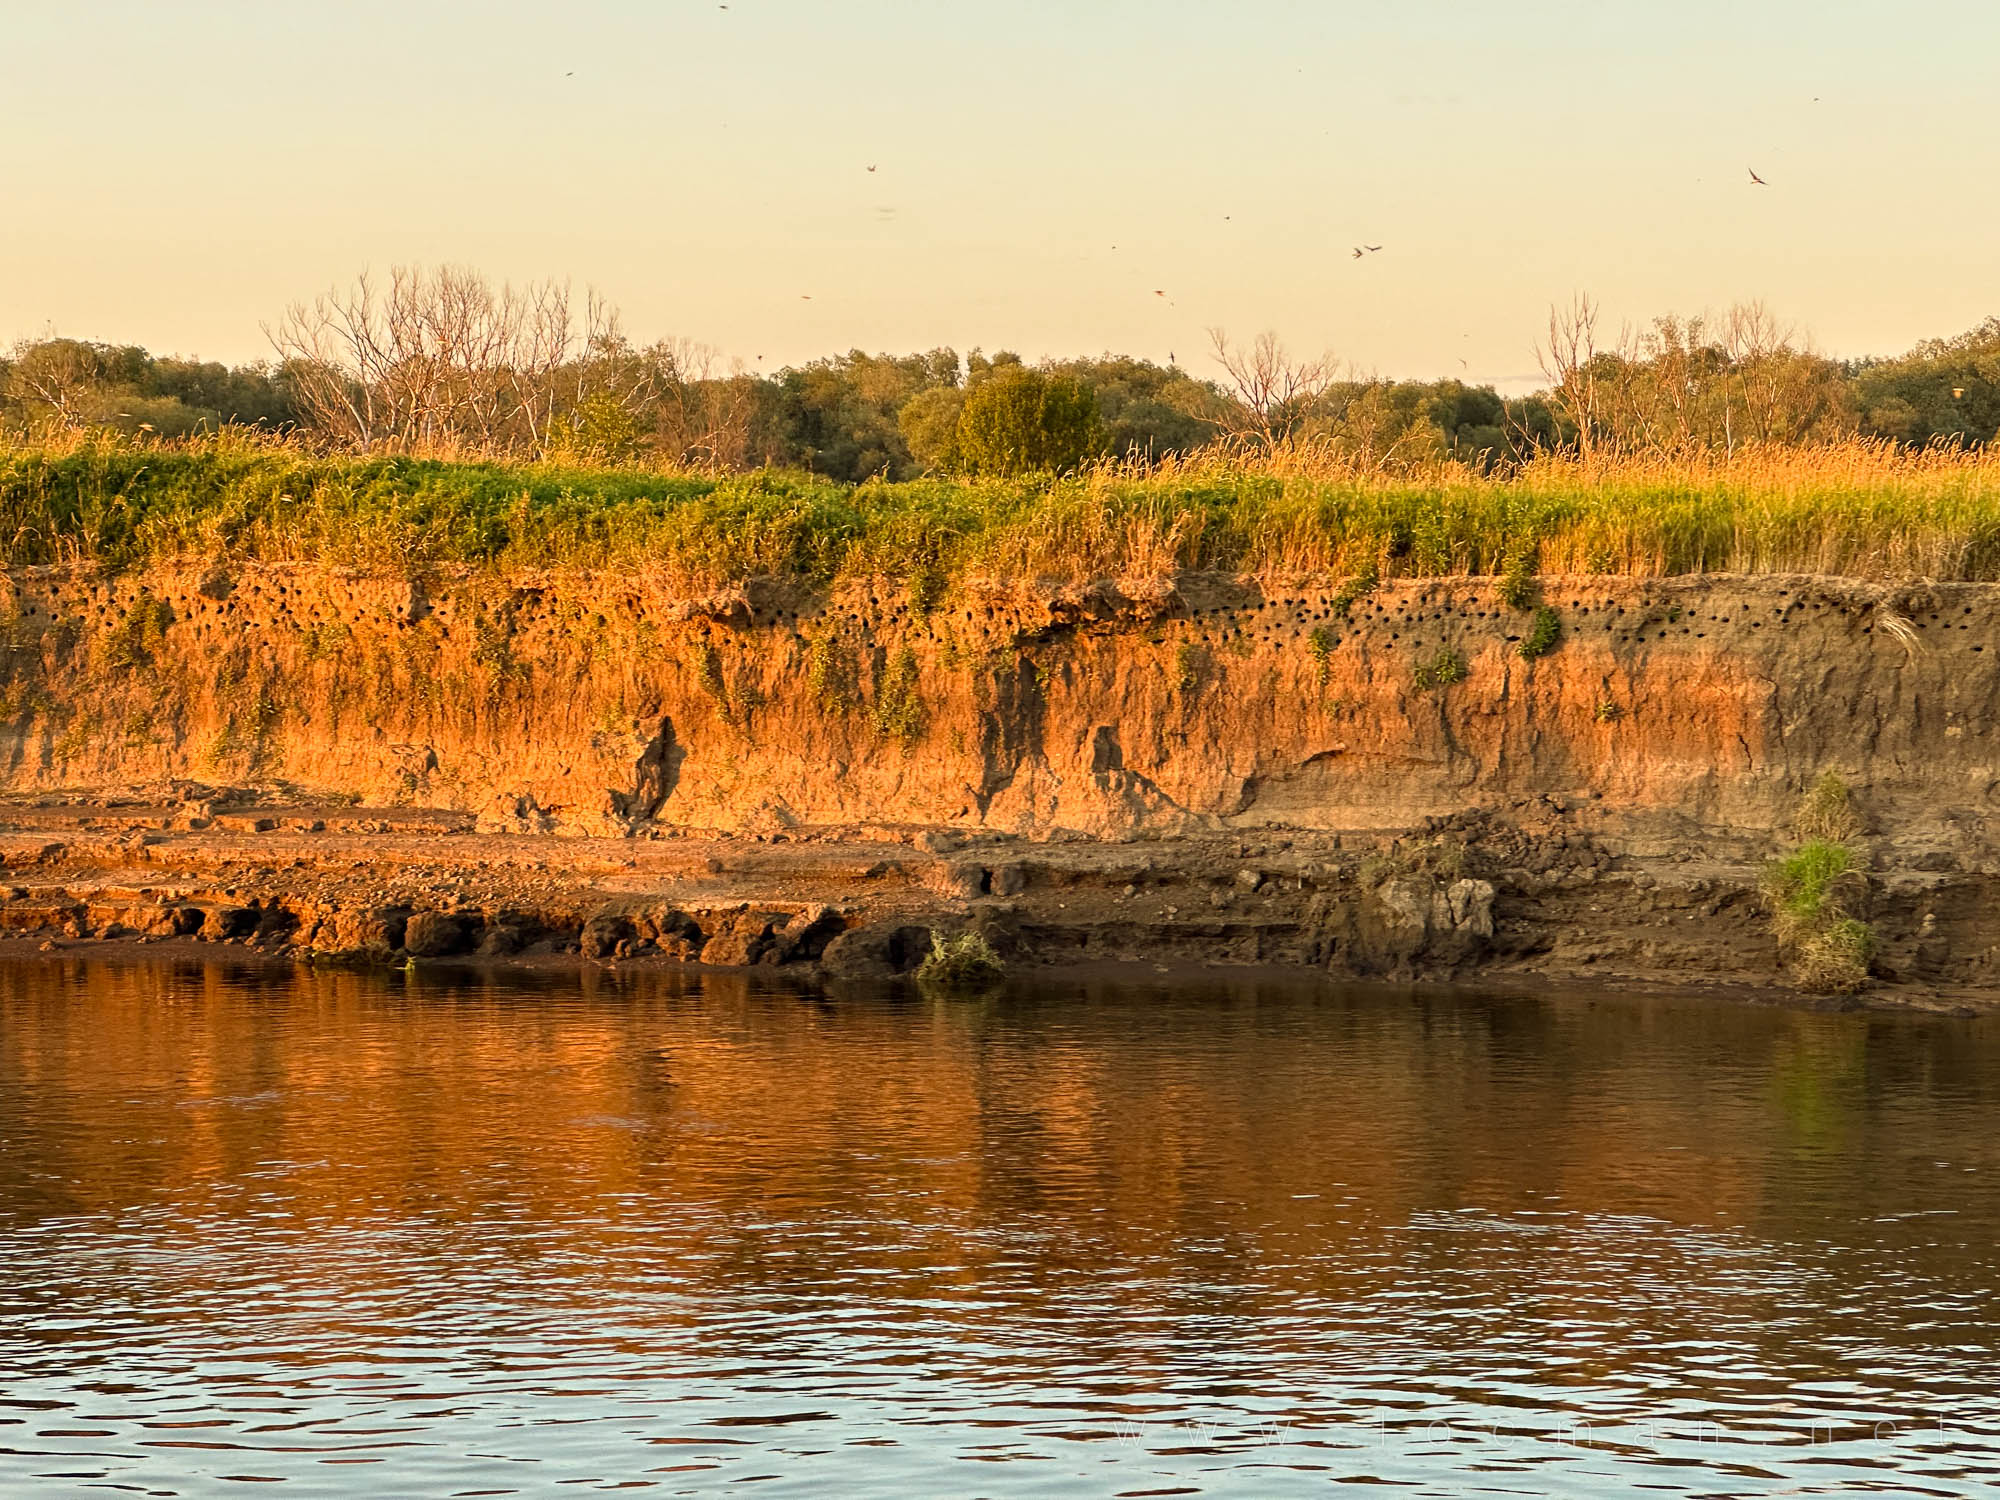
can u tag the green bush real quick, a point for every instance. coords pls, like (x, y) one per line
(1440, 670)
(899, 705)
(960, 964)
(1020, 421)
(1542, 634)
(1827, 948)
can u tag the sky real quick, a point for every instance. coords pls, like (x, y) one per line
(174, 175)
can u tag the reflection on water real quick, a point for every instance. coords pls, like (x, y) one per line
(369, 1235)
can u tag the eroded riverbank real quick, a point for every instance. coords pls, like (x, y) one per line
(1469, 897)
(1417, 779)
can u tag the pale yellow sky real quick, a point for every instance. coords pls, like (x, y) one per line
(177, 174)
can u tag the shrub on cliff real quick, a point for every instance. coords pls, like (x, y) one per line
(1542, 634)
(1828, 948)
(960, 964)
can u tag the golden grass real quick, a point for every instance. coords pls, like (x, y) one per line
(1857, 508)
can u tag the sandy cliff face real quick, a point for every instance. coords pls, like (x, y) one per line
(1677, 712)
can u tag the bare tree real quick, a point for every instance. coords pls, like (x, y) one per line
(1789, 393)
(1274, 392)
(436, 359)
(701, 412)
(54, 375)
(1569, 364)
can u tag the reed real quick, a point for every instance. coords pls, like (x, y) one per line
(1859, 509)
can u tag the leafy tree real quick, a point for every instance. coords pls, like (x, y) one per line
(838, 416)
(929, 424)
(1147, 409)
(1943, 389)
(1021, 421)
(53, 384)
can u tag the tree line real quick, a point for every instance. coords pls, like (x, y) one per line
(443, 361)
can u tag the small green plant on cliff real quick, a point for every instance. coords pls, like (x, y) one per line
(1519, 588)
(324, 640)
(1442, 669)
(1827, 947)
(1319, 645)
(899, 705)
(831, 675)
(1608, 712)
(961, 964)
(83, 730)
(1357, 588)
(707, 664)
(493, 648)
(1192, 664)
(222, 750)
(133, 642)
(1441, 858)
(1826, 812)
(927, 584)
(1542, 635)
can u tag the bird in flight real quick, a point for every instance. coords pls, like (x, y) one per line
(1756, 179)
(1371, 249)
(1357, 252)
(871, 167)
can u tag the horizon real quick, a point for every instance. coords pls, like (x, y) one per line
(706, 170)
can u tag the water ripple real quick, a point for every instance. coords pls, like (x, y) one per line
(464, 1236)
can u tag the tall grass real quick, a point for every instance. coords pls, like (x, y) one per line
(1858, 509)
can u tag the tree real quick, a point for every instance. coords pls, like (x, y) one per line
(1942, 390)
(439, 358)
(839, 416)
(59, 384)
(1274, 392)
(929, 424)
(1571, 365)
(1021, 421)
(1148, 410)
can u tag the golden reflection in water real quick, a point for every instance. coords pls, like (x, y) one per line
(1067, 1187)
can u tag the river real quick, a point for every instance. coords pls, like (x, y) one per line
(464, 1234)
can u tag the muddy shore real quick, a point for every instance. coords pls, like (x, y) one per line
(1472, 897)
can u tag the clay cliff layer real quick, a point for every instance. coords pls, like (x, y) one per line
(1418, 780)
(1690, 709)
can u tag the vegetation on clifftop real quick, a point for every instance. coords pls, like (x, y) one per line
(1854, 508)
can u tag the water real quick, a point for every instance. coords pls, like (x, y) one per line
(367, 1235)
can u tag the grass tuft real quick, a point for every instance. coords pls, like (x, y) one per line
(1828, 949)
(899, 705)
(1542, 635)
(1826, 813)
(1440, 670)
(960, 964)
